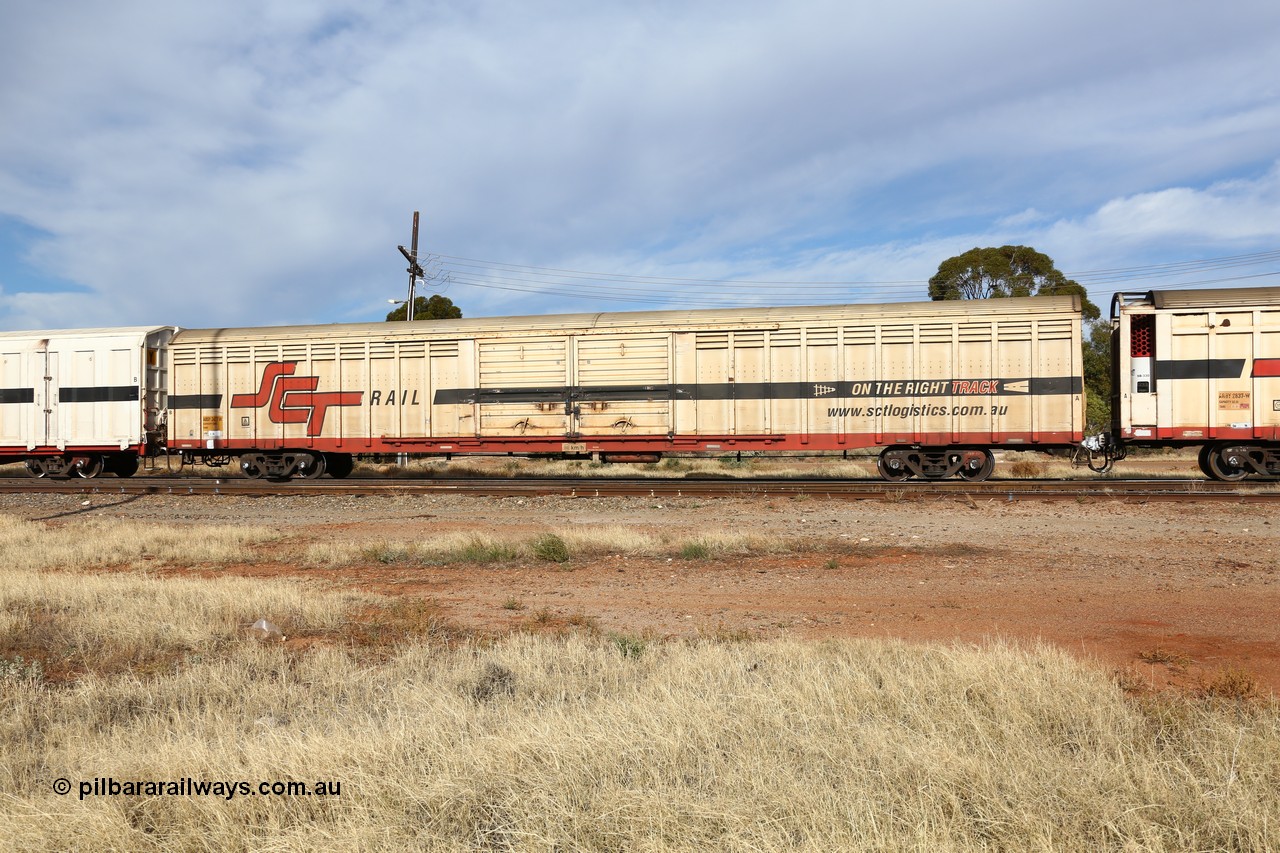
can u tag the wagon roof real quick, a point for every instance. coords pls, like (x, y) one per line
(771, 317)
(63, 334)
(1226, 297)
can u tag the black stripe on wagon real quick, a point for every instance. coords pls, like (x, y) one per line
(1200, 368)
(17, 395)
(99, 394)
(1050, 385)
(195, 401)
(1039, 386)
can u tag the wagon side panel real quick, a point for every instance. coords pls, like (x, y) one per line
(623, 383)
(17, 398)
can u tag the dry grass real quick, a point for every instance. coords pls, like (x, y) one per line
(1165, 656)
(73, 621)
(100, 542)
(1015, 464)
(832, 467)
(559, 546)
(565, 545)
(588, 742)
(592, 744)
(1026, 469)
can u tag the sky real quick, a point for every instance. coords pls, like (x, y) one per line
(244, 163)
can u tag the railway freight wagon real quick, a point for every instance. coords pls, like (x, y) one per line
(937, 384)
(84, 401)
(1200, 367)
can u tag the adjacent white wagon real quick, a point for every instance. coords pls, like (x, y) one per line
(1201, 367)
(84, 401)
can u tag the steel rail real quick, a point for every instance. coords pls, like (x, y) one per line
(1004, 490)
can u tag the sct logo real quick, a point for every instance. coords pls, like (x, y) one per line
(293, 399)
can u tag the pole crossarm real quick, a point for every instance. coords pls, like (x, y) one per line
(414, 267)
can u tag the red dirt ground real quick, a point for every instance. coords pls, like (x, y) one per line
(1167, 627)
(1167, 593)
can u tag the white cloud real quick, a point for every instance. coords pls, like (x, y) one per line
(236, 164)
(1236, 216)
(1234, 211)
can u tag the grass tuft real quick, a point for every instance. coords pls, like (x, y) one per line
(551, 548)
(1162, 655)
(628, 646)
(479, 550)
(697, 550)
(494, 681)
(19, 671)
(1231, 683)
(1026, 469)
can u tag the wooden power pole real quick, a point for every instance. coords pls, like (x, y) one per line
(415, 271)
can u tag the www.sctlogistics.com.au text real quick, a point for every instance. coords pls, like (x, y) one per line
(917, 411)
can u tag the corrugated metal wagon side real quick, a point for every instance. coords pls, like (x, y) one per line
(938, 383)
(85, 401)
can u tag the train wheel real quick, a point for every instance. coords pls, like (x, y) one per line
(982, 471)
(890, 466)
(1223, 464)
(311, 465)
(339, 464)
(1203, 459)
(89, 467)
(250, 469)
(123, 465)
(35, 467)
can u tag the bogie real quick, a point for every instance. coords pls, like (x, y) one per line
(936, 463)
(1231, 461)
(86, 466)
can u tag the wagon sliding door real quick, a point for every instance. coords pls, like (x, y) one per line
(524, 387)
(623, 385)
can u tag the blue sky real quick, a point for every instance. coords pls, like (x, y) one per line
(243, 163)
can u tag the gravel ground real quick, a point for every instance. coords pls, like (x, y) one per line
(1169, 593)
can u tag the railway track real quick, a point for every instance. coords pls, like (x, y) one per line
(1004, 490)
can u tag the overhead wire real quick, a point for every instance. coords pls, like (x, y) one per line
(598, 276)
(670, 290)
(652, 297)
